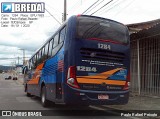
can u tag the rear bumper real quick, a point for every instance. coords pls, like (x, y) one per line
(86, 97)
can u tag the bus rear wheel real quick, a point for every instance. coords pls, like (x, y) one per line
(44, 101)
(26, 90)
(28, 95)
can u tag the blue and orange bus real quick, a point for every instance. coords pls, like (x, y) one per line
(85, 62)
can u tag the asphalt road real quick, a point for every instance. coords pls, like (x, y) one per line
(13, 97)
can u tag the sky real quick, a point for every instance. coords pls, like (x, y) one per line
(30, 39)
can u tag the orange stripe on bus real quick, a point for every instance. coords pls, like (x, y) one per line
(103, 75)
(35, 79)
(39, 67)
(100, 81)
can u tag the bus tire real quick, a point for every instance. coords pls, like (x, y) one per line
(28, 94)
(44, 101)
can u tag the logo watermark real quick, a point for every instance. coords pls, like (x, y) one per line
(22, 7)
(21, 113)
(6, 113)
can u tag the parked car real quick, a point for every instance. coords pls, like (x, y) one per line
(14, 78)
(8, 78)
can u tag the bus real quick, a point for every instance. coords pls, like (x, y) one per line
(85, 62)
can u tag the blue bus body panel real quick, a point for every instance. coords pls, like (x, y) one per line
(53, 73)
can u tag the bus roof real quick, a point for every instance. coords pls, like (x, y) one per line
(79, 15)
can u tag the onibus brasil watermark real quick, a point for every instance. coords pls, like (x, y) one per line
(21, 113)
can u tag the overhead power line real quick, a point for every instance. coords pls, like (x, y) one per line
(56, 10)
(102, 7)
(122, 1)
(75, 5)
(108, 7)
(52, 16)
(90, 6)
(125, 7)
(95, 6)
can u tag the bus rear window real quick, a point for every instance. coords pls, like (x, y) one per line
(103, 29)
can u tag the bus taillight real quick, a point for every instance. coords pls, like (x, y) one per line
(71, 77)
(127, 84)
(78, 15)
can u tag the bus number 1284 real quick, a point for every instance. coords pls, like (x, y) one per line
(104, 46)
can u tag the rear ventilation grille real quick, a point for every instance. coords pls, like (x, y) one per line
(99, 54)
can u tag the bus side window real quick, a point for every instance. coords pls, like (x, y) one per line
(39, 57)
(43, 56)
(32, 66)
(50, 48)
(36, 57)
(40, 54)
(34, 62)
(56, 39)
(57, 47)
(46, 52)
(62, 35)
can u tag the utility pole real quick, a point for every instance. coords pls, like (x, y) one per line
(18, 60)
(23, 56)
(65, 11)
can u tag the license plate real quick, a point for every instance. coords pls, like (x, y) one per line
(103, 97)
